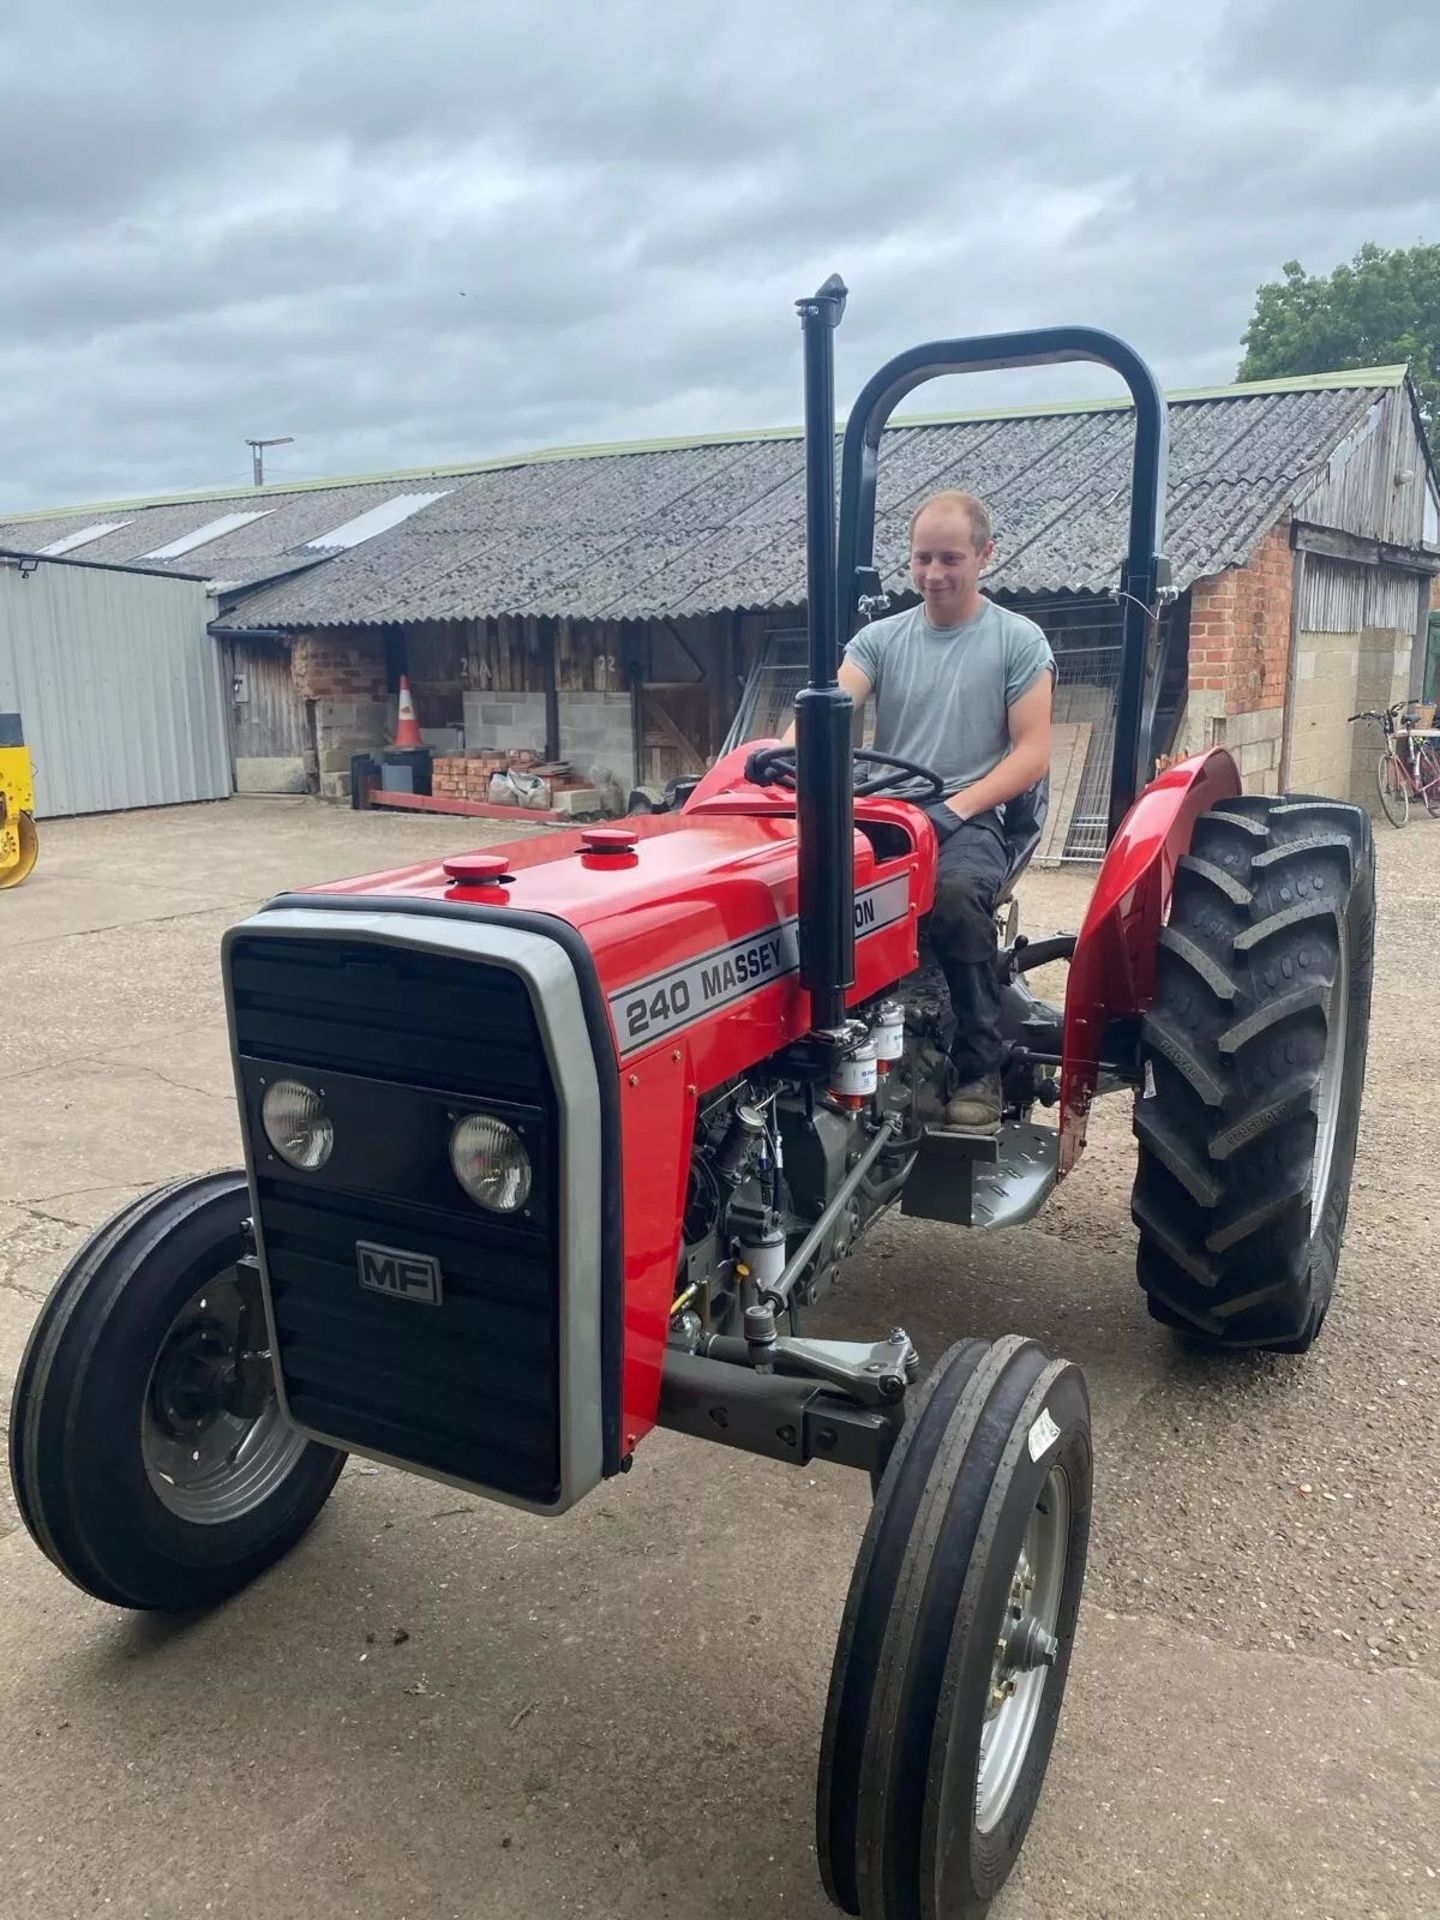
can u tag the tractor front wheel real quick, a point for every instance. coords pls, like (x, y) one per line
(1254, 1060)
(955, 1643)
(150, 1456)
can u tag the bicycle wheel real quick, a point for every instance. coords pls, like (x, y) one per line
(1394, 792)
(1428, 768)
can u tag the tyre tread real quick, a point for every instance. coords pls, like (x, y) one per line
(1223, 1187)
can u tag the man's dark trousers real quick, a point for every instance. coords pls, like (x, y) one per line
(974, 861)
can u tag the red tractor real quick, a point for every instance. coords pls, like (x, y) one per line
(552, 1145)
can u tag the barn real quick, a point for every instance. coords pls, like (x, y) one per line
(629, 607)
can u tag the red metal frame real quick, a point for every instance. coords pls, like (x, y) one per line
(724, 871)
(1112, 974)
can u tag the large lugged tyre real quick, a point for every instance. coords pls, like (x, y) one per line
(1254, 1053)
(144, 1465)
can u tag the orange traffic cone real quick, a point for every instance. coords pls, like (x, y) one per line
(407, 727)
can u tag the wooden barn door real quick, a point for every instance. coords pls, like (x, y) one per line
(675, 730)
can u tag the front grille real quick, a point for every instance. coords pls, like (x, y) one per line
(402, 1041)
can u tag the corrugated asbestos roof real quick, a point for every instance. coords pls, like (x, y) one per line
(694, 527)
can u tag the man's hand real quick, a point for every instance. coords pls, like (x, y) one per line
(1027, 760)
(855, 683)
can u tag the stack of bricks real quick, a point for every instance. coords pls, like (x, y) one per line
(468, 776)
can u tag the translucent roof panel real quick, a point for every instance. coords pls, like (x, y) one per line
(378, 520)
(201, 536)
(83, 536)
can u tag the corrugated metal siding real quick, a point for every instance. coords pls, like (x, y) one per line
(1393, 599)
(118, 685)
(1334, 597)
(1344, 596)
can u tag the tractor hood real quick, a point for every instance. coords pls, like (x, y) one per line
(687, 884)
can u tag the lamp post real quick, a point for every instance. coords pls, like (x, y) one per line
(257, 454)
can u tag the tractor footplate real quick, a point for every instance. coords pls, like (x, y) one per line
(983, 1179)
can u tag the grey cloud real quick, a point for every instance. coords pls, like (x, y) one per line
(454, 229)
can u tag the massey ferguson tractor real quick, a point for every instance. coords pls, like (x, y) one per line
(552, 1145)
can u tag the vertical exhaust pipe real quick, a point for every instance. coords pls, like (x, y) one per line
(825, 800)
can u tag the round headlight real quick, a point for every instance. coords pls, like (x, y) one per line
(297, 1125)
(490, 1162)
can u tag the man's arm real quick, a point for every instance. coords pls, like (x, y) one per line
(1028, 758)
(855, 683)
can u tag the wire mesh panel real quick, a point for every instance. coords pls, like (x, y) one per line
(767, 704)
(1085, 634)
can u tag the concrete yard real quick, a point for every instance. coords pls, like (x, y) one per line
(617, 1713)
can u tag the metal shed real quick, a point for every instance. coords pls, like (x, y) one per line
(117, 682)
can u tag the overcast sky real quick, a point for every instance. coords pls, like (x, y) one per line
(421, 232)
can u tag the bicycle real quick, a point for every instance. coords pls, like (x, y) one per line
(1410, 763)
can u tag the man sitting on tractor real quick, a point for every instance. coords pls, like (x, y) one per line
(963, 686)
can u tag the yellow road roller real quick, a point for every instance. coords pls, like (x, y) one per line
(19, 842)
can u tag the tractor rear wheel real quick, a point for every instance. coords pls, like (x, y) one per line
(955, 1644)
(149, 1454)
(1254, 1058)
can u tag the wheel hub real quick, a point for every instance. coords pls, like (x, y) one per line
(1027, 1647)
(214, 1439)
(193, 1380)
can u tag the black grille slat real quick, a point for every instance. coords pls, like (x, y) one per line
(468, 1387)
(310, 1293)
(504, 1270)
(449, 1022)
(459, 1060)
(430, 1407)
(531, 1478)
(374, 982)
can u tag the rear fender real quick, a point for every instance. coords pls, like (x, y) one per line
(1112, 974)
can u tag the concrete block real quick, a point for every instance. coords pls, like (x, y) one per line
(277, 774)
(1261, 723)
(573, 800)
(1258, 757)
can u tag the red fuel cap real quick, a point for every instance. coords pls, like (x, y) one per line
(609, 840)
(477, 869)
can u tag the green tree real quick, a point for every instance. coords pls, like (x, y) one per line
(1382, 308)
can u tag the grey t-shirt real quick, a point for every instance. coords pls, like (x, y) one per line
(942, 694)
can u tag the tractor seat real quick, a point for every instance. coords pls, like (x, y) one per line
(1024, 824)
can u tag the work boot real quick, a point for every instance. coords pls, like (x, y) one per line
(975, 1106)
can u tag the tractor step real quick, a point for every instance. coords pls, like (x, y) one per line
(983, 1179)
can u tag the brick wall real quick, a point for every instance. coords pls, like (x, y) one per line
(1239, 656)
(1240, 628)
(344, 674)
(348, 668)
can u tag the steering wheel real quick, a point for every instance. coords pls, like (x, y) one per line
(775, 767)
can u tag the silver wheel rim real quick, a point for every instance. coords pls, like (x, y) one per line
(1025, 1652)
(1332, 1073)
(206, 1464)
